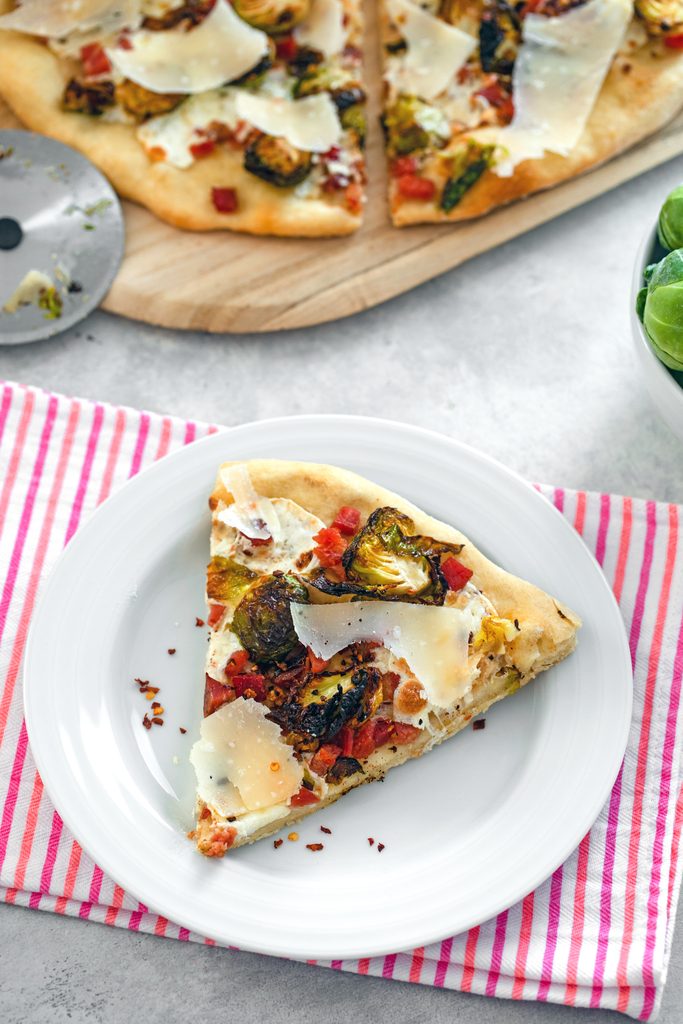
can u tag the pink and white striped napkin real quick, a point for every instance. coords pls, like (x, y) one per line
(597, 933)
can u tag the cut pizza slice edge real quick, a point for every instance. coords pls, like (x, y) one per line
(350, 632)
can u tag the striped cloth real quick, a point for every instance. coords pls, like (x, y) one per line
(597, 933)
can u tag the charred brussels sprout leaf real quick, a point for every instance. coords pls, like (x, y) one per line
(88, 99)
(467, 167)
(227, 580)
(277, 161)
(500, 33)
(344, 768)
(328, 703)
(411, 124)
(275, 17)
(263, 620)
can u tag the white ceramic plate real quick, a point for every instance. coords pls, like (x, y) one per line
(469, 829)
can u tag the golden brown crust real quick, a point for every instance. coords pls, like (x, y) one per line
(642, 92)
(32, 81)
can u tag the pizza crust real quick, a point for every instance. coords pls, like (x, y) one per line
(632, 105)
(32, 81)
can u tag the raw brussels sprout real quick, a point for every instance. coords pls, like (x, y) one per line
(326, 704)
(466, 167)
(660, 307)
(412, 124)
(228, 580)
(500, 32)
(277, 161)
(276, 17)
(263, 620)
(660, 15)
(670, 226)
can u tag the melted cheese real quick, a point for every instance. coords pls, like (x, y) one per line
(250, 512)
(222, 644)
(295, 533)
(175, 132)
(59, 18)
(435, 50)
(323, 29)
(433, 641)
(221, 48)
(558, 74)
(311, 124)
(235, 758)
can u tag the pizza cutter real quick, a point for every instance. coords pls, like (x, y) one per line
(61, 237)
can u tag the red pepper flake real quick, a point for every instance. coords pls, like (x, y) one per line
(371, 841)
(183, 731)
(147, 722)
(277, 843)
(315, 847)
(199, 622)
(327, 831)
(380, 847)
(171, 650)
(157, 720)
(480, 723)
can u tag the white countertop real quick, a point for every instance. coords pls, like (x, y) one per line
(525, 353)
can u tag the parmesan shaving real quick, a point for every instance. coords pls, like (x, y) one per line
(323, 29)
(435, 51)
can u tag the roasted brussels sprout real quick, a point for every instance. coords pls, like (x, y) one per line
(273, 16)
(143, 103)
(411, 124)
(93, 98)
(660, 307)
(277, 161)
(466, 167)
(263, 620)
(670, 226)
(227, 580)
(343, 768)
(326, 704)
(353, 119)
(660, 16)
(500, 33)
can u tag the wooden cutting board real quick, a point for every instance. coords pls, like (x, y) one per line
(226, 282)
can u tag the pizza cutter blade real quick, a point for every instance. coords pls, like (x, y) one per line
(58, 216)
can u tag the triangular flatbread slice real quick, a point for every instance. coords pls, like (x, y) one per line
(350, 632)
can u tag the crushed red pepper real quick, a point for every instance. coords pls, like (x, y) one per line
(371, 841)
(183, 731)
(380, 847)
(171, 650)
(315, 847)
(199, 622)
(277, 843)
(327, 831)
(480, 723)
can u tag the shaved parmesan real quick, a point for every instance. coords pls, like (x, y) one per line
(433, 641)
(242, 761)
(311, 124)
(221, 48)
(323, 29)
(294, 541)
(59, 18)
(563, 57)
(435, 50)
(250, 513)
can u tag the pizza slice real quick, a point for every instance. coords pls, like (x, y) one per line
(247, 115)
(487, 101)
(349, 632)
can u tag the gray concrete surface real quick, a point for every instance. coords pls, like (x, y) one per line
(525, 353)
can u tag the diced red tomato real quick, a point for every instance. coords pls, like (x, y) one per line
(316, 664)
(330, 546)
(347, 520)
(674, 42)
(286, 48)
(236, 662)
(390, 681)
(304, 797)
(323, 760)
(364, 741)
(203, 148)
(404, 733)
(455, 573)
(95, 60)
(332, 153)
(383, 731)
(216, 695)
(380, 731)
(215, 614)
(345, 738)
(224, 199)
(498, 98)
(412, 186)
(403, 165)
(249, 684)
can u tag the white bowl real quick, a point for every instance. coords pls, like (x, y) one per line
(665, 392)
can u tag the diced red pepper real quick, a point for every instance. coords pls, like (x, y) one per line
(674, 42)
(412, 186)
(203, 148)
(316, 664)
(404, 733)
(322, 761)
(333, 153)
(380, 731)
(455, 573)
(286, 48)
(236, 662)
(403, 165)
(384, 730)
(330, 546)
(345, 738)
(347, 520)
(215, 614)
(304, 797)
(249, 684)
(95, 60)
(216, 695)
(498, 98)
(364, 741)
(224, 199)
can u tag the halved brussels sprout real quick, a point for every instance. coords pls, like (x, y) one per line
(263, 620)
(143, 103)
(500, 33)
(277, 161)
(660, 15)
(670, 225)
(328, 703)
(660, 307)
(93, 98)
(227, 580)
(344, 768)
(353, 119)
(466, 166)
(411, 124)
(276, 17)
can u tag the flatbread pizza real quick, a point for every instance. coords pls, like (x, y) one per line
(350, 632)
